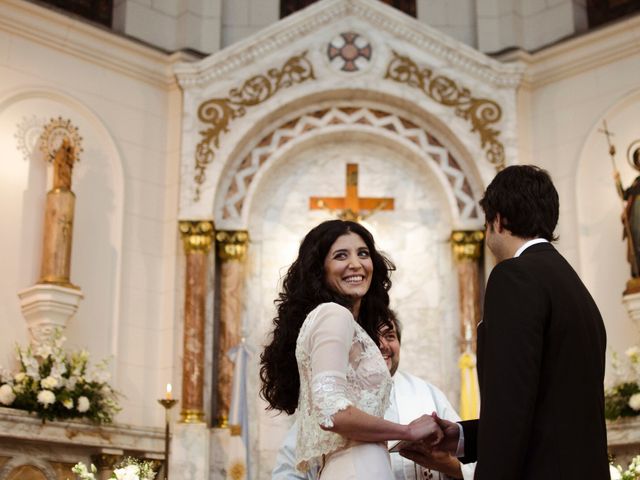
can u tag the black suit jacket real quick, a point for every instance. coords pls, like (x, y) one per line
(541, 357)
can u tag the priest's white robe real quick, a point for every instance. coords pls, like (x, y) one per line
(410, 398)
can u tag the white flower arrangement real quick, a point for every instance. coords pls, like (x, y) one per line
(631, 473)
(128, 469)
(623, 399)
(59, 385)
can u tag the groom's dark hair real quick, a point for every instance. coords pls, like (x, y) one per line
(526, 200)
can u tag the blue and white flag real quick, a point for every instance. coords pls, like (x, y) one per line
(239, 462)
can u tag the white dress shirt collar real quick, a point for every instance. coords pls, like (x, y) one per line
(528, 244)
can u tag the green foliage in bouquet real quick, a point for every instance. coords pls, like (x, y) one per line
(57, 385)
(616, 401)
(631, 473)
(623, 399)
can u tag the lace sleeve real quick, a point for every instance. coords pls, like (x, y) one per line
(330, 340)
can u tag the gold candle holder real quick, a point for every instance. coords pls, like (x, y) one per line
(168, 403)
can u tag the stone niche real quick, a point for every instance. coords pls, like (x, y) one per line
(31, 449)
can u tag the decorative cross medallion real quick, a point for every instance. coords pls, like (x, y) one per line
(351, 207)
(350, 52)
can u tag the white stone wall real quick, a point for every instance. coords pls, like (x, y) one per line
(243, 18)
(171, 24)
(122, 98)
(456, 18)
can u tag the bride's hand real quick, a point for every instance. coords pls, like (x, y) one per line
(425, 428)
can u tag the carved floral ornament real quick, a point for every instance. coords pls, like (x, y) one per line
(481, 112)
(219, 112)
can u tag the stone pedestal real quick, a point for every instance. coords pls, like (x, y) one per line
(47, 307)
(189, 456)
(632, 304)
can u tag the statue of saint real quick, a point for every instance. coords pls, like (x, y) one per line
(63, 166)
(631, 214)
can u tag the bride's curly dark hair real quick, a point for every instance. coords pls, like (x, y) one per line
(303, 289)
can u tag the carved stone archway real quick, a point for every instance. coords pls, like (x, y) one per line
(236, 189)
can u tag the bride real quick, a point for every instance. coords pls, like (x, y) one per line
(323, 360)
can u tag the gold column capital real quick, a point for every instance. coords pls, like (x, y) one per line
(197, 235)
(232, 244)
(467, 244)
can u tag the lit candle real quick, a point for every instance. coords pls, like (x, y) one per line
(168, 396)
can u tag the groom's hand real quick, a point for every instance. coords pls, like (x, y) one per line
(451, 435)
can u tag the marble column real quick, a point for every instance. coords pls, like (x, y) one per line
(232, 249)
(197, 237)
(467, 251)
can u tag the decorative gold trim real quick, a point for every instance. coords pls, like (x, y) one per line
(197, 235)
(192, 416)
(236, 430)
(222, 422)
(467, 244)
(481, 112)
(232, 244)
(219, 112)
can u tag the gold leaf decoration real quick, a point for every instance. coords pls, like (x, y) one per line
(481, 112)
(219, 112)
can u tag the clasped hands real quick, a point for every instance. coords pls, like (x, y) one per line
(433, 444)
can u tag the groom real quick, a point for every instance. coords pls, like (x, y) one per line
(541, 349)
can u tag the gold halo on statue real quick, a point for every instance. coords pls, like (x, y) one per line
(54, 133)
(633, 154)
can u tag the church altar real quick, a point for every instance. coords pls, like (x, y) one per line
(34, 450)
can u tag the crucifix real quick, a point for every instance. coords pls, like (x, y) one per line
(351, 207)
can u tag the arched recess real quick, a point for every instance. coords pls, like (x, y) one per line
(602, 251)
(98, 182)
(349, 111)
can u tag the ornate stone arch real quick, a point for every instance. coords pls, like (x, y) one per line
(237, 186)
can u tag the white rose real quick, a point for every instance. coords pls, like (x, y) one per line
(634, 401)
(130, 472)
(83, 404)
(49, 383)
(6, 395)
(19, 377)
(46, 397)
(68, 403)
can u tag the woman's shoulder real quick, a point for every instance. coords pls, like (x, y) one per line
(327, 313)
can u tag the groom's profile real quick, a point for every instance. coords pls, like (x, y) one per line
(541, 348)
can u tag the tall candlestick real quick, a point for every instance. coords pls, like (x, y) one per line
(168, 404)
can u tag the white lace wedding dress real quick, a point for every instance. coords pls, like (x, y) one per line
(339, 366)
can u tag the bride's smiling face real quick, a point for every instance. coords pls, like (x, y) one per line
(348, 266)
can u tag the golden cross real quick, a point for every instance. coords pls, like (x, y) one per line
(351, 207)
